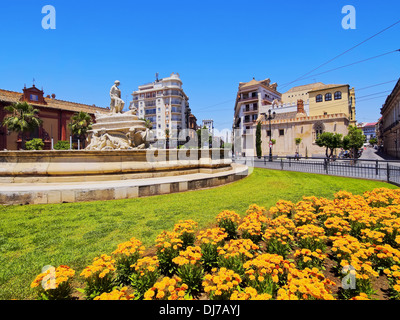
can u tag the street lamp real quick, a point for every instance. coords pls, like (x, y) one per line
(269, 118)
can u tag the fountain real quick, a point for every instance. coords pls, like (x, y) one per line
(118, 163)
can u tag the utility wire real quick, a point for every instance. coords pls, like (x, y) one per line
(343, 53)
(348, 65)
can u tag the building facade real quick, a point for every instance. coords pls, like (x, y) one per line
(253, 98)
(164, 103)
(55, 113)
(302, 112)
(389, 124)
(369, 130)
(209, 124)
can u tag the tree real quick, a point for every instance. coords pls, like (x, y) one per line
(297, 141)
(258, 140)
(330, 141)
(353, 141)
(81, 123)
(24, 118)
(167, 138)
(147, 123)
(373, 141)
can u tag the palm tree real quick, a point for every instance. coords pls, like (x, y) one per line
(167, 138)
(24, 118)
(147, 123)
(81, 123)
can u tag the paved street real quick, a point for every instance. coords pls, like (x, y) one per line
(372, 154)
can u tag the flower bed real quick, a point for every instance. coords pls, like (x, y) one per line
(315, 249)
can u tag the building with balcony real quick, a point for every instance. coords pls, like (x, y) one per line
(209, 124)
(165, 104)
(302, 112)
(389, 124)
(369, 130)
(252, 99)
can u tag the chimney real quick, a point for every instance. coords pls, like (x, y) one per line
(53, 95)
(300, 106)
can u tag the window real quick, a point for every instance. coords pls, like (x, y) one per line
(328, 97)
(318, 130)
(318, 98)
(255, 106)
(268, 133)
(281, 132)
(34, 97)
(254, 94)
(338, 95)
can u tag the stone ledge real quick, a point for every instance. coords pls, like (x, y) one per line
(46, 193)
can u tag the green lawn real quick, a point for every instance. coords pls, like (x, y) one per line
(33, 236)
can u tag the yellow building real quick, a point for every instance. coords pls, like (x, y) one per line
(304, 112)
(333, 99)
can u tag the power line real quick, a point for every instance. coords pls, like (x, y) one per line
(346, 51)
(375, 85)
(347, 65)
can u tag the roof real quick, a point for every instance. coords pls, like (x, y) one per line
(285, 115)
(305, 87)
(370, 124)
(12, 97)
(327, 86)
(265, 83)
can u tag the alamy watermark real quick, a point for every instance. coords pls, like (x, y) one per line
(49, 20)
(49, 280)
(349, 20)
(349, 280)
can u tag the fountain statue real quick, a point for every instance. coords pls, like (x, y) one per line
(118, 130)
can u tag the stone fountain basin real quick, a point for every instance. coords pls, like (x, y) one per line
(83, 165)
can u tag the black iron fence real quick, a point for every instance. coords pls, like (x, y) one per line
(356, 168)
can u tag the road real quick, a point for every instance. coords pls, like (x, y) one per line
(372, 154)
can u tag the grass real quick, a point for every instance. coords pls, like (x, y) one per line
(34, 236)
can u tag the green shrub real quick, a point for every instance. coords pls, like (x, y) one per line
(62, 145)
(34, 144)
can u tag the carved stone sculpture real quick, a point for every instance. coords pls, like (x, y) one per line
(117, 104)
(117, 130)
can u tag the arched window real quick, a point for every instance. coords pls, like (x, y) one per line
(328, 97)
(318, 98)
(318, 130)
(338, 95)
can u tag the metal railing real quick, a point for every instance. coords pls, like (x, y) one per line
(384, 170)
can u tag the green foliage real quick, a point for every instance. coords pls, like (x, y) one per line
(373, 141)
(258, 140)
(81, 123)
(147, 123)
(354, 140)
(62, 145)
(330, 141)
(34, 144)
(24, 118)
(75, 233)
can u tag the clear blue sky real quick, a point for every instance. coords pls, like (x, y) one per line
(213, 45)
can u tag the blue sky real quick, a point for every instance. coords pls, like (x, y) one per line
(213, 45)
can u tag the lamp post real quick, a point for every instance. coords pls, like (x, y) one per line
(269, 118)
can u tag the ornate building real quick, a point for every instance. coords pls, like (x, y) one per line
(55, 114)
(301, 112)
(389, 124)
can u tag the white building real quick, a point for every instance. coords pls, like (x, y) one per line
(209, 124)
(253, 98)
(164, 103)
